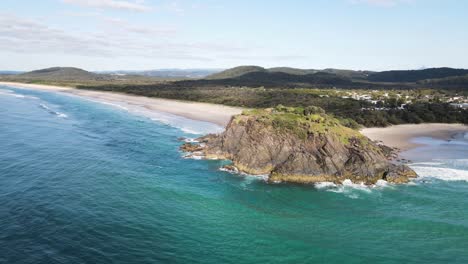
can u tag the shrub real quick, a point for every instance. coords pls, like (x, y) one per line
(311, 110)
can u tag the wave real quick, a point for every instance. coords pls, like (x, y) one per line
(428, 163)
(262, 177)
(51, 111)
(445, 174)
(187, 125)
(350, 189)
(107, 103)
(428, 141)
(191, 140)
(13, 94)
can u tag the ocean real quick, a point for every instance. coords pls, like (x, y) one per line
(84, 182)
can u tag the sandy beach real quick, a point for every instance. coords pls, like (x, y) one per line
(213, 113)
(394, 136)
(400, 136)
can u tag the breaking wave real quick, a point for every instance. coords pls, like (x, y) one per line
(51, 111)
(441, 173)
(13, 94)
(350, 189)
(187, 125)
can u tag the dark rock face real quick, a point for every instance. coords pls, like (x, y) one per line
(257, 149)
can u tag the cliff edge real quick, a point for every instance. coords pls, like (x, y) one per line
(300, 145)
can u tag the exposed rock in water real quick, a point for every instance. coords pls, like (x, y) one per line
(191, 147)
(302, 146)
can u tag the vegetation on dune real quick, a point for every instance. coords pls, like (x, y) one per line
(302, 121)
(351, 111)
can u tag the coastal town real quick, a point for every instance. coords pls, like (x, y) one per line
(384, 100)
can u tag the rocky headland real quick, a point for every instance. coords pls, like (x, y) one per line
(300, 145)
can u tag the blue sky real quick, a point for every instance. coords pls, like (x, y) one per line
(152, 34)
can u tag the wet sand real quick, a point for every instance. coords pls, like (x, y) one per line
(401, 136)
(213, 113)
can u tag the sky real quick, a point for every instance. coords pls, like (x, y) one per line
(154, 34)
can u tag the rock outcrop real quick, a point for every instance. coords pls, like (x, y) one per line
(302, 146)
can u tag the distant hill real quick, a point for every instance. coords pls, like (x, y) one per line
(449, 82)
(75, 76)
(235, 72)
(168, 73)
(360, 75)
(289, 70)
(257, 77)
(61, 74)
(10, 72)
(243, 70)
(288, 74)
(278, 78)
(415, 75)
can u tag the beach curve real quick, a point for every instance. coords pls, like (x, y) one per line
(205, 112)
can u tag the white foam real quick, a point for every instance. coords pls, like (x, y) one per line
(357, 186)
(324, 185)
(112, 104)
(13, 94)
(191, 140)
(187, 125)
(350, 189)
(194, 155)
(428, 163)
(446, 174)
(263, 177)
(380, 183)
(51, 111)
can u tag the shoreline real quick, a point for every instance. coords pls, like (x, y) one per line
(401, 136)
(398, 136)
(212, 113)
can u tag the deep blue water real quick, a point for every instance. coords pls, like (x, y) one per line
(82, 182)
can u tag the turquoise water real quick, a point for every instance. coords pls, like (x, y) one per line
(82, 182)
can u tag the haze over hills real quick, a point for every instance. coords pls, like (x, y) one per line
(76, 76)
(333, 77)
(257, 87)
(10, 72)
(384, 76)
(255, 76)
(60, 73)
(72, 73)
(168, 73)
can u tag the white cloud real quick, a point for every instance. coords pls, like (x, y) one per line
(24, 35)
(138, 6)
(117, 24)
(120, 38)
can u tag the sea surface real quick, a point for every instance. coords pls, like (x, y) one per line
(84, 182)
